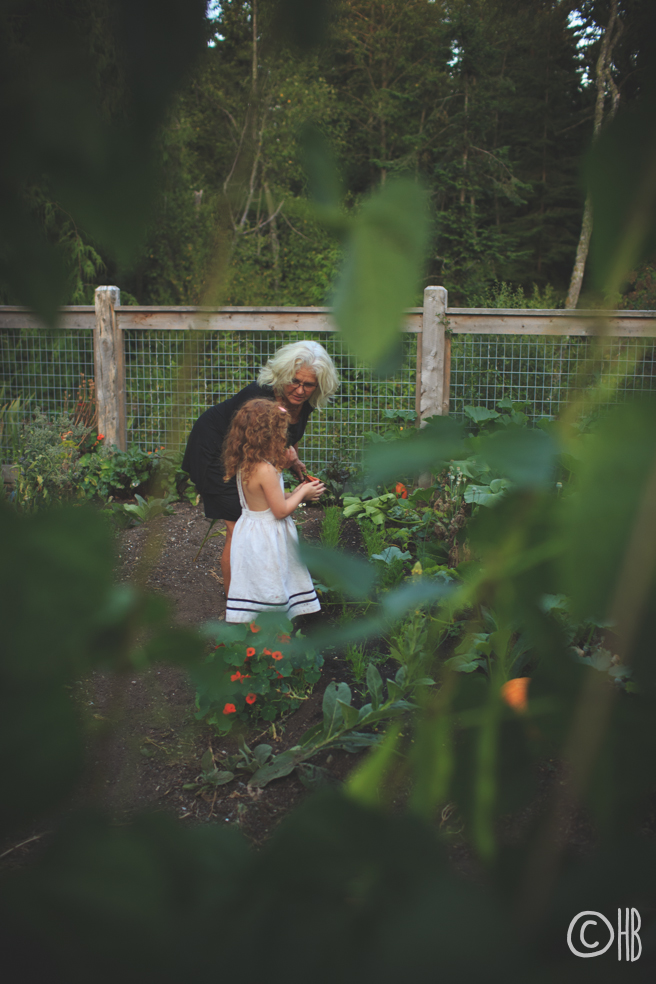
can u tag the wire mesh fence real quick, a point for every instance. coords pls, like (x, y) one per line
(545, 372)
(42, 369)
(45, 369)
(219, 364)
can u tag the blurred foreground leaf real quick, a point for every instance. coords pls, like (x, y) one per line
(340, 570)
(382, 269)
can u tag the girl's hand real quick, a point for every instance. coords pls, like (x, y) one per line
(313, 490)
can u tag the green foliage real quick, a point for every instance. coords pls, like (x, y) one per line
(341, 719)
(373, 534)
(254, 674)
(331, 526)
(355, 655)
(640, 294)
(11, 415)
(506, 295)
(384, 254)
(51, 450)
(146, 509)
(117, 474)
(60, 458)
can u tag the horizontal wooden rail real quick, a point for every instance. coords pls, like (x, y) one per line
(196, 318)
(466, 321)
(513, 321)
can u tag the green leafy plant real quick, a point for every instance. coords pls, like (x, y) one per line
(341, 719)
(212, 776)
(373, 534)
(331, 526)
(374, 508)
(356, 656)
(11, 416)
(146, 509)
(255, 672)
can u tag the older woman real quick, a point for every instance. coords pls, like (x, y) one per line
(302, 378)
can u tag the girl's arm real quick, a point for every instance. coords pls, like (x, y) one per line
(269, 481)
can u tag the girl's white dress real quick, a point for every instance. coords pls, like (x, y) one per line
(266, 572)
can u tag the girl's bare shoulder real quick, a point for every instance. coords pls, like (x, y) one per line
(263, 470)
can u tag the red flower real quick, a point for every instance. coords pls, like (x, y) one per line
(101, 437)
(240, 677)
(230, 709)
(251, 698)
(401, 491)
(250, 652)
(254, 627)
(279, 674)
(284, 638)
(276, 655)
(266, 652)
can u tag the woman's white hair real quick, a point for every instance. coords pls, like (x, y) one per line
(285, 363)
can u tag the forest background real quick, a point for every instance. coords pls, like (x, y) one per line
(490, 103)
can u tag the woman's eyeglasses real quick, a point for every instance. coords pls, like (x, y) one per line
(306, 387)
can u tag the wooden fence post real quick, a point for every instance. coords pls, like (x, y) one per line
(109, 367)
(434, 396)
(433, 388)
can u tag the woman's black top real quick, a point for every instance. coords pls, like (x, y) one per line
(202, 458)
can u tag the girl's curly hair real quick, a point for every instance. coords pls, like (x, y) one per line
(258, 432)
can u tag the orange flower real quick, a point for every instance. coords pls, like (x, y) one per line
(251, 698)
(515, 693)
(250, 652)
(284, 638)
(101, 437)
(266, 652)
(229, 709)
(240, 677)
(279, 675)
(401, 491)
(254, 627)
(276, 655)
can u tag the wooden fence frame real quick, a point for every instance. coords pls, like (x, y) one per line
(434, 323)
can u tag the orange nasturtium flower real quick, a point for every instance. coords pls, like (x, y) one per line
(401, 491)
(254, 627)
(276, 655)
(515, 693)
(266, 652)
(229, 709)
(284, 638)
(250, 652)
(251, 698)
(240, 677)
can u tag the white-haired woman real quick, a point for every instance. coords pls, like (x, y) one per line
(302, 378)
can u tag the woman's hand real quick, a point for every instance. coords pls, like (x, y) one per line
(313, 490)
(295, 464)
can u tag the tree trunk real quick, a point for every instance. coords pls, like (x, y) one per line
(273, 232)
(605, 83)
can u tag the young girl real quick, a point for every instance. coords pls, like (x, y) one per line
(267, 574)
